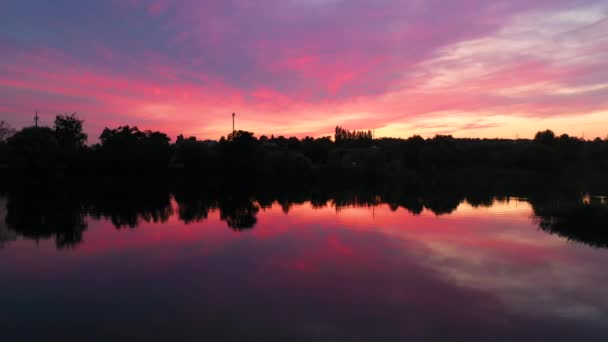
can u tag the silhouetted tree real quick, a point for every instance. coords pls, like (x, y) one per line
(239, 155)
(71, 140)
(342, 135)
(69, 131)
(193, 155)
(6, 131)
(545, 137)
(33, 149)
(128, 150)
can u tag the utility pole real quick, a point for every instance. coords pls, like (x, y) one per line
(233, 115)
(36, 119)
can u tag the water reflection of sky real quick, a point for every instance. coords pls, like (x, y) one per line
(363, 272)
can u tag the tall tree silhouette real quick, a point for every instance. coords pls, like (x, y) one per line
(69, 131)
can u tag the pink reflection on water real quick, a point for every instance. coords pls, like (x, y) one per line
(314, 264)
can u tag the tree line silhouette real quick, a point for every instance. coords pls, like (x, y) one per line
(242, 174)
(127, 152)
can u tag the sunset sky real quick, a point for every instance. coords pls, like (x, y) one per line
(470, 68)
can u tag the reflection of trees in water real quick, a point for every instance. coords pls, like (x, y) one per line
(584, 220)
(239, 213)
(193, 206)
(480, 199)
(443, 205)
(413, 204)
(61, 215)
(50, 213)
(6, 235)
(129, 209)
(44, 215)
(238, 210)
(346, 199)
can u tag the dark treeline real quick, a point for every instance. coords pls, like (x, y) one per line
(54, 180)
(62, 213)
(127, 152)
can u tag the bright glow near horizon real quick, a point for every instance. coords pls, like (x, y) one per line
(468, 68)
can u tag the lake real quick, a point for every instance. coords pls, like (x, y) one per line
(187, 267)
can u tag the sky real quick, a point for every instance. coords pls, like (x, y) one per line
(470, 68)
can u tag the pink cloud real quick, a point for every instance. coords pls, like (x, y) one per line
(300, 68)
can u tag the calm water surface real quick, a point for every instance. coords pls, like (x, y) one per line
(354, 273)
